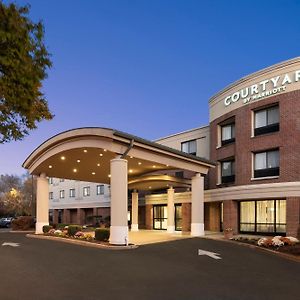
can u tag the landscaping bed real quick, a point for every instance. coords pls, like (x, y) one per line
(288, 245)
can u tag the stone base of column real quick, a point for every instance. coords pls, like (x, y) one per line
(39, 227)
(118, 235)
(134, 227)
(170, 229)
(197, 229)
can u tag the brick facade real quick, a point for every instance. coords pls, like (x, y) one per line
(286, 139)
(230, 215)
(186, 211)
(293, 216)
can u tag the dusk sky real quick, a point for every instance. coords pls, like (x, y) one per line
(149, 67)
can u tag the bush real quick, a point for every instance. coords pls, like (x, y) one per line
(60, 226)
(102, 234)
(46, 228)
(73, 229)
(23, 223)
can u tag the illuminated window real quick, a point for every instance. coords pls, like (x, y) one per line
(72, 193)
(51, 195)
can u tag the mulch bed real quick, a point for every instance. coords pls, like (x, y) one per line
(288, 249)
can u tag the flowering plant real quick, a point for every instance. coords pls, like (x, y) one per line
(228, 229)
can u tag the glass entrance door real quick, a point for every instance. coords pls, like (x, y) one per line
(160, 216)
(178, 217)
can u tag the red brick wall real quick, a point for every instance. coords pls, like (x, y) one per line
(287, 140)
(293, 216)
(186, 211)
(212, 216)
(149, 218)
(230, 216)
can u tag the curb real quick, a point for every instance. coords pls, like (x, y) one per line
(277, 253)
(81, 243)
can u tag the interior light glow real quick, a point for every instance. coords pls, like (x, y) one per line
(78, 160)
(75, 170)
(62, 158)
(93, 173)
(139, 163)
(85, 151)
(50, 167)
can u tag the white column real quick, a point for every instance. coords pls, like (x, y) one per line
(197, 226)
(135, 211)
(42, 203)
(118, 202)
(171, 211)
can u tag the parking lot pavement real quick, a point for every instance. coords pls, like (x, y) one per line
(42, 269)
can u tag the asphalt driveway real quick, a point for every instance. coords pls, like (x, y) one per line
(42, 269)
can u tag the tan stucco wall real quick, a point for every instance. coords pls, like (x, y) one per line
(290, 67)
(200, 134)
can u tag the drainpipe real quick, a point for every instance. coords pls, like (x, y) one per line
(128, 149)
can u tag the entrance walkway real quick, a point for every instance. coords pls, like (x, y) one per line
(143, 237)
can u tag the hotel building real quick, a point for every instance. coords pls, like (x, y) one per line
(253, 137)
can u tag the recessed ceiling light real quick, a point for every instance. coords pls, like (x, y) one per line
(154, 166)
(130, 171)
(93, 173)
(75, 170)
(139, 163)
(85, 151)
(104, 150)
(131, 156)
(62, 158)
(98, 165)
(101, 154)
(78, 160)
(109, 175)
(150, 187)
(167, 165)
(50, 167)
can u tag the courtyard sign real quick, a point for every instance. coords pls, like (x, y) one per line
(264, 88)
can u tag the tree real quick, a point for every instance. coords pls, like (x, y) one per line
(24, 61)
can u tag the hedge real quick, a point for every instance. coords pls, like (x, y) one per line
(46, 228)
(73, 229)
(102, 234)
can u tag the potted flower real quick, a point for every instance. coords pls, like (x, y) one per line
(228, 233)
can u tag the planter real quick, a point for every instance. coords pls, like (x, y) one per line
(228, 234)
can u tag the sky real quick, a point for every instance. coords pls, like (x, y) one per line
(149, 67)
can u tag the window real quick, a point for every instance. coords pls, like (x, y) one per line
(189, 147)
(263, 216)
(50, 180)
(62, 194)
(160, 216)
(72, 193)
(100, 189)
(51, 195)
(227, 171)
(86, 191)
(266, 164)
(61, 180)
(227, 134)
(179, 174)
(266, 120)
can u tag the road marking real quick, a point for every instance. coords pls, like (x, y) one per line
(210, 254)
(11, 244)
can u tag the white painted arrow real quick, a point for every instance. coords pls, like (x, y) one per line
(11, 244)
(210, 254)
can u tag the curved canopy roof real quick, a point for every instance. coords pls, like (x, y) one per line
(85, 153)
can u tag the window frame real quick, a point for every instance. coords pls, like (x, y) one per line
(232, 134)
(50, 195)
(268, 128)
(227, 178)
(268, 171)
(71, 195)
(188, 143)
(61, 194)
(86, 188)
(100, 189)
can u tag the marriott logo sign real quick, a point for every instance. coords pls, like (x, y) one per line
(264, 88)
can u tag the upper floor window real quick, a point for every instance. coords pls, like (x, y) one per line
(100, 189)
(227, 171)
(72, 193)
(189, 147)
(227, 134)
(86, 191)
(61, 180)
(62, 194)
(266, 120)
(50, 180)
(266, 163)
(50, 195)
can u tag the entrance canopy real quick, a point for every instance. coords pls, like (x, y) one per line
(85, 154)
